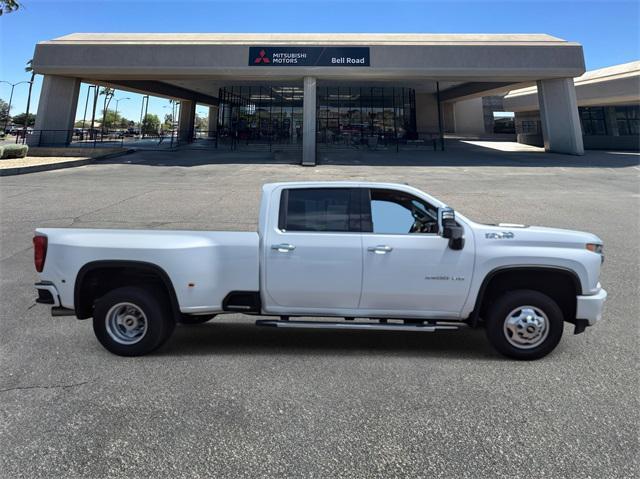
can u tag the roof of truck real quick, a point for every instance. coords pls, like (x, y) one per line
(269, 187)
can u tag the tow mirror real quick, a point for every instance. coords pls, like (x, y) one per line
(448, 228)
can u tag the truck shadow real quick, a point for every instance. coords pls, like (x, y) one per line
(242, 338)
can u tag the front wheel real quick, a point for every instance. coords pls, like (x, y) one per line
(524, 324)
(132, 321)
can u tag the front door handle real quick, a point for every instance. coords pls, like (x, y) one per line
(380, 249)
(283, 247)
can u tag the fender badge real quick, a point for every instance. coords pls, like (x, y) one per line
(500, 235)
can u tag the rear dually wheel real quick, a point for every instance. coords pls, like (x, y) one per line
(132, 321)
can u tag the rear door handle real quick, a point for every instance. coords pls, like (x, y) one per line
(380, 249)
(283, 247)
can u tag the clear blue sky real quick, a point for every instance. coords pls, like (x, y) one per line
(608, 30)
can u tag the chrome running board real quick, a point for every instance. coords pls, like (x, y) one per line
(425, 328)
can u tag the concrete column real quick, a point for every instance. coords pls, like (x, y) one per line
(186, 121)
(449, 117)
(559, 116)
(426, 113)
(213, 121)
(56, 111)
(309, 122)
(469, 117)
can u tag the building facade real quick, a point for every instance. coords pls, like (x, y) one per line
(316, 88)
(608, 106)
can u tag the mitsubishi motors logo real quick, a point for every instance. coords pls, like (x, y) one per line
(262, 57)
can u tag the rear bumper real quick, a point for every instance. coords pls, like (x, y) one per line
(47, 294)
(590, 308)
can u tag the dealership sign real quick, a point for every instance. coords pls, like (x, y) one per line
(309, 56)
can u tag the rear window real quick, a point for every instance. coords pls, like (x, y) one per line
(319, 209)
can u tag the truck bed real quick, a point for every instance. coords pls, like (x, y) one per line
(204, 266)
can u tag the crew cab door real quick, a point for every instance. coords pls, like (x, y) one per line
(313, 251)
(408, 268)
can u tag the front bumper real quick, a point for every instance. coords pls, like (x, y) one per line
(589, 308)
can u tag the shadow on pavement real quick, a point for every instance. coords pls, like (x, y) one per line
(225, 338)
(457, 154)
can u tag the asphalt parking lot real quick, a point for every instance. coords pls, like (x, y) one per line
(227, 399)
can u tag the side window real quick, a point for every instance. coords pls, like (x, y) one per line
(396, 212)
(319, 209)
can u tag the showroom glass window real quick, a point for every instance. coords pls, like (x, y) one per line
(592, 120)
(628, 119)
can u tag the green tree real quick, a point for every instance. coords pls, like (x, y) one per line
(168, 122)
(114, 120)
(8, 6)
(202, 123)
(4, 111)
(150, 124)
(20, 119)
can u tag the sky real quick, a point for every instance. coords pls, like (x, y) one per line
(608, 30)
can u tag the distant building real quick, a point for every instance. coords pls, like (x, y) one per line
(608, 104)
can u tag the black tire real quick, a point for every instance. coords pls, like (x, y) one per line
(155, 308)
(194, 318)
(506, 306)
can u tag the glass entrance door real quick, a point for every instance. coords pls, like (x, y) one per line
(260, 114)
(356, 116)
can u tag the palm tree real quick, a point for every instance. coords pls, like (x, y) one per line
(29, 69)
(8, 6)
(108, 95)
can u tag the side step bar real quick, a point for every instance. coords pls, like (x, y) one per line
(426, 328)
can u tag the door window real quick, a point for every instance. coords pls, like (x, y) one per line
(319, 210)
(396, 212)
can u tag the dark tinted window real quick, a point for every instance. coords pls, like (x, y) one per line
(319, 209)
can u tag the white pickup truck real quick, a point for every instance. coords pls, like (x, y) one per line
(375, 256)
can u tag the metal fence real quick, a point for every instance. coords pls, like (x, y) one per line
(224, 140)
(78, 138)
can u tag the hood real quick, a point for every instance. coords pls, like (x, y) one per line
(535, 235)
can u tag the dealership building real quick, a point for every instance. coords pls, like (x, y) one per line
(608, 106)
(317, 89)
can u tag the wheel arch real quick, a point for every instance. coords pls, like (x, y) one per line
(84, 295)
(525, 276)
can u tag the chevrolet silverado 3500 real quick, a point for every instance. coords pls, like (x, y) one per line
(389, 254)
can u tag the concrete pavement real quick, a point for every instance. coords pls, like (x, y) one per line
(227, 399)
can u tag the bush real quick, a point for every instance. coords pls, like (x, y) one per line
(1, 151)
(14, 151)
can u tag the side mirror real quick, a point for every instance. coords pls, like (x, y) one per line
(448, 228)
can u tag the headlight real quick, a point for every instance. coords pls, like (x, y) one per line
(596, 248)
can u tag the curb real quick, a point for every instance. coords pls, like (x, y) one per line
(22, 170)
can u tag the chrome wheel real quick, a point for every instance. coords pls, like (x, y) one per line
(526, 327)
(126, 323)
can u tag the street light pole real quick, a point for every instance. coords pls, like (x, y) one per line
(142, 112)
(118, 100)
(13, 85)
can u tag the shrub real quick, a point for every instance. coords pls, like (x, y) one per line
(14, 151)
(1, 151)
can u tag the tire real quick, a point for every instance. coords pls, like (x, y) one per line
(535, 328)
(195, 319)
(133, 321)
